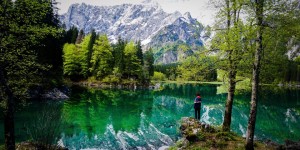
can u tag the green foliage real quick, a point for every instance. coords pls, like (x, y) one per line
(182, 50)
(111, 79)
(158, 76)
(107, 63)
(198, 68)
(139, 52)
(201, 136)
(84, 55)
(72, 67)
(90, 47)
(22, 29)
(49, 49)
(133, 67)
(281, 41)
(101, 61)
(226, 136)
(170, 70)
(45, 130)
(71, 35)
(281, 33)
(148, 63)
(77, 57)
(118, 53)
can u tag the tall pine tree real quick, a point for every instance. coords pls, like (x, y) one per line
(102, 58)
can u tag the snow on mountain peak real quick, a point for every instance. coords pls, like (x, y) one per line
(146, 22)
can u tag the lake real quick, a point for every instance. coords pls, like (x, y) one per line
(149, 119)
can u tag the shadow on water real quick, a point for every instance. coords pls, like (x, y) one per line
(128, 119)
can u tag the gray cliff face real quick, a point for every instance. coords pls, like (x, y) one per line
(184, 30)
(146, 22)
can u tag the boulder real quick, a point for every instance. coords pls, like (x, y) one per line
(54, 94)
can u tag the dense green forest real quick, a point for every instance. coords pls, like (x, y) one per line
(92, 57)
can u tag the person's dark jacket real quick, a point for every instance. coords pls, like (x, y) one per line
(197, 102)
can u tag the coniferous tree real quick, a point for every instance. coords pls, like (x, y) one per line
(139, 51)
(90, 47)
(84, 55)
(22, 29)
(149, 62)
(132, 63)
(71, 35)
(50, 52)
(72, 66)
(119, 56)
(80, 37)
(101, 62)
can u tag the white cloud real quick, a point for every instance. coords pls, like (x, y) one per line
(199, 9)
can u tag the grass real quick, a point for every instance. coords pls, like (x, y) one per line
(212, 138)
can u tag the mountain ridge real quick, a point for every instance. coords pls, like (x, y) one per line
(146, 22)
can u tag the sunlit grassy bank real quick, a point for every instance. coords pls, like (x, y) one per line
(201, 136)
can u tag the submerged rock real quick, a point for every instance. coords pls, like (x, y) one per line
(291, 145)
(54, 94)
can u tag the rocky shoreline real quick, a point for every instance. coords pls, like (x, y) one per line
(63, 92)
(117, 86)
(57, 93)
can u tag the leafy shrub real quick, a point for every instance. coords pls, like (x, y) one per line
(158, 76)
(110, 79)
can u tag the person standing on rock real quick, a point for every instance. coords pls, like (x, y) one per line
(197, 106)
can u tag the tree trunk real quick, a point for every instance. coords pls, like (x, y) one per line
(255, 75)
(229, 101)
(9, 125)
(232, 76)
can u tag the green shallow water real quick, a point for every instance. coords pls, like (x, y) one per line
(147, 119)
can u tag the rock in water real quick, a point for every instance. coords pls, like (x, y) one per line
(55, 94)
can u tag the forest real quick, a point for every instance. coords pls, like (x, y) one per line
(254, 41)
(91, 57)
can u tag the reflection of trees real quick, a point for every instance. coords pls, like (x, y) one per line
(188, 90)
(91, 110)
(85, 112)
(126, 115)
(278, 112)
(31, 115)
(277, 118)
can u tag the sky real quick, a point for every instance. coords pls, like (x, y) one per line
(202, 10)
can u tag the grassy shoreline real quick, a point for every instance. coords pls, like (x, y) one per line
(201, 136)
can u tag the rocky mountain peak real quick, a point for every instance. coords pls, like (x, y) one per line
(146, 22)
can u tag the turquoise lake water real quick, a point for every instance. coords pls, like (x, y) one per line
(149, 119)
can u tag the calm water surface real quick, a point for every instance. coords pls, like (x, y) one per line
(147, 119)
